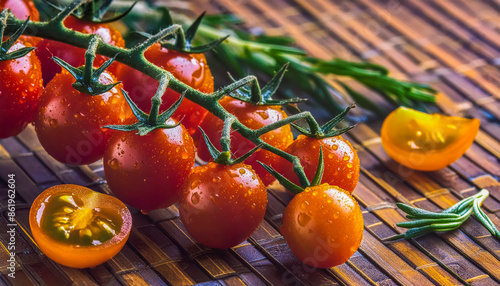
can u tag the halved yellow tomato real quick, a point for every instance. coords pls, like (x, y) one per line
(77, 227)
(426, 142)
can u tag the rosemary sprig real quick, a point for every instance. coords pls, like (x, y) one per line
(423, 221)
(266, 54)
(245, 53)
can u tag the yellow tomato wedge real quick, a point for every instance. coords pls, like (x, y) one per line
(77, 227)
(426, 142)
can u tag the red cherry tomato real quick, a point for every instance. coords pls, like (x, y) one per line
(192, 69)
(73, 55)
(21, 9)
(20, 87)
(222, 205)
(147, 172)
(340, 159)
(69, 123)
(254, 117)
(77, 227)
(323, 226)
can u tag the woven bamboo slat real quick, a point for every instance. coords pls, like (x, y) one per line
(452, 45)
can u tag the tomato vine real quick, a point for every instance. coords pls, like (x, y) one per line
(54, 29)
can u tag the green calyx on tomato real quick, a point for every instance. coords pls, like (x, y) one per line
(87, 77)
(225, 157)
(341, 160)
(6, 45)
(257, 96)
(327, 130)
(147, 123)
(94, 11)
(289, 185)
(184, 40)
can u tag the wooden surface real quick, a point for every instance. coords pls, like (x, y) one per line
(453, 45)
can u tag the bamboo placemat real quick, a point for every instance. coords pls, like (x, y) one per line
(452, 45)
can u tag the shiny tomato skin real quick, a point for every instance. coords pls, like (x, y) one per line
(323, 226)
(85, 204)
(22, 9)
(147, 172)
(254, 117)
(340, 159)
(69, 123)
(221, 205)
(191, 69)
(73, 55)
(426, 142)
(20, 88)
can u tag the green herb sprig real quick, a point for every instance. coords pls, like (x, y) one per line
(244, 53)
(423, 221)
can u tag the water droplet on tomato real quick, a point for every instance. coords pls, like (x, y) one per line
(304, 205)
(303, 219)
(263, 114)
(349, 165)
(184, 155)
(53, 123)
(346, 158)
(195, 184)
(336, 215)
(113, 163)
(242, 171)
(195, 198)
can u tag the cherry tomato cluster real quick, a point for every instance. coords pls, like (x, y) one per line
(220, 203)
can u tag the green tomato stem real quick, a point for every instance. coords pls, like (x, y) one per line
(55, 30)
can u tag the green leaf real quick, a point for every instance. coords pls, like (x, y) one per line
(214, 152)
(191, 31)
(282, 180)
(319, 170)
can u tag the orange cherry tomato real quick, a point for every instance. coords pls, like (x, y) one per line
(77, 227)
(323, 225)
(426, 142)
(340, 159)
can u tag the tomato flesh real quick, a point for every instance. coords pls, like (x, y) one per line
(67, 219)
(426, 142)
(77, 227)
(323, 225)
